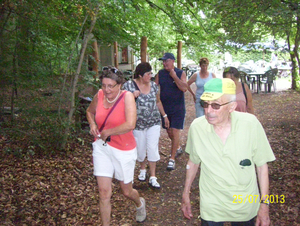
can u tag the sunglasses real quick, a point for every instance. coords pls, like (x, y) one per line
(214, 106)
(112, 69)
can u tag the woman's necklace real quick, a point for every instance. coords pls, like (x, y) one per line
(113, 99)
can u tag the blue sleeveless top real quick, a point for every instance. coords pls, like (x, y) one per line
(200, 82)
(171, 96)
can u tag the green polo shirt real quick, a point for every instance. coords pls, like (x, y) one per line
(224, 175)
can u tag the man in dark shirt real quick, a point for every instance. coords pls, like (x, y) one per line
(172, 82)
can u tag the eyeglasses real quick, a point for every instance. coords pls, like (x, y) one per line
(110, 87)
(112, 69)
(213, 105)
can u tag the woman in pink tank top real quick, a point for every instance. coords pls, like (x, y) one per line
(112, 118)
(243, 93)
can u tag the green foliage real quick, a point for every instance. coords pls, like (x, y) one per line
(37, 39)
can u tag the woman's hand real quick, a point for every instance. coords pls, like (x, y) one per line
(94, 130)
(105, 134)
(136, 93)
(194, 97)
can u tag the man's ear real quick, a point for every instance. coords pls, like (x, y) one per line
(233, 106)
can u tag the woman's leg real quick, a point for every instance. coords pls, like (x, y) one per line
(105, 191)
(152, 166)
(140, 202)
(143, 164)
(130, 193)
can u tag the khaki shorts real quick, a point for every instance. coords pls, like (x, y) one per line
(111, 162)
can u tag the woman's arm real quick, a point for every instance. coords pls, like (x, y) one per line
(130, 115)
(156, 79)
(90, 115)
(190, 82)
(250, 108)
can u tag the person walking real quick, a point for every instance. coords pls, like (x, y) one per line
(233, 151)
(200, 78)
(243, 93)
(112, 117)
(147, 130)
(172, 83)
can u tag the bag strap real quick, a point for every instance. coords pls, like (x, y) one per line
(136, 88)
(244, 91)
(135, 85)
(113, 107)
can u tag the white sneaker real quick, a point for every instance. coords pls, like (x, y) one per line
(153, 182)
(141, 211)
(143, 175)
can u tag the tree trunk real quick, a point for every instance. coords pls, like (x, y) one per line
(144, 49)
(84, 46)
(96, 58)
(179, 49)
(116, 62)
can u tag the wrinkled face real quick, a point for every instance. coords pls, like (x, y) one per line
(147, 77)
(110, 88)
(168, 64)
(219, 116)
(204, 67)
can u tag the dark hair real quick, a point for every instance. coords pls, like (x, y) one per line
(112, 73)
(141, 69)
(203, 60)
(231, 70)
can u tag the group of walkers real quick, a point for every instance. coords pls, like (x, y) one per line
(125, 120)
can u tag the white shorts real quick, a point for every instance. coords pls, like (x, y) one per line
(147, 142)
(111, 162)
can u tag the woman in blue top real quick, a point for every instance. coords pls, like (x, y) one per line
(200, 78)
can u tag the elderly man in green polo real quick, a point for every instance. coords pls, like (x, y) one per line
(231, 147)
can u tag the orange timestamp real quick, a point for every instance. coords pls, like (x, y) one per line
(255, 199)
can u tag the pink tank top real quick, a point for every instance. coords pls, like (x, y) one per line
(123, 142)
(241, 102)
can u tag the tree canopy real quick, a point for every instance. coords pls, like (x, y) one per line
(42, 42)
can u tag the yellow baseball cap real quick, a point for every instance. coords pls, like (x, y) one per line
(216, 87)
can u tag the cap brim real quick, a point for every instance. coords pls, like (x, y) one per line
(162, 58)
(210, 96)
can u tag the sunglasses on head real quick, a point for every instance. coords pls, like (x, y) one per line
(213, 105)
(112, 69)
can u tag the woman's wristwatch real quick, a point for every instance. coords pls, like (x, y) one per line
(165, 115)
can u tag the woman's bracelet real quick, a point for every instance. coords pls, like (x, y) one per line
(165, 115)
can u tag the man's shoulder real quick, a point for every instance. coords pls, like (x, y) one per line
(244, 118)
